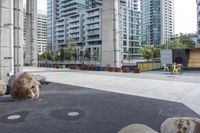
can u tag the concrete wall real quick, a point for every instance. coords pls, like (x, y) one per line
(31, 33)
(110, 34)
(4, 40)
(18, 36)
(5, 56)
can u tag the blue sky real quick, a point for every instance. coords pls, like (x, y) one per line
(185, 15)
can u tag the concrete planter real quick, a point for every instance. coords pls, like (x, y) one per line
(137, 70)
(118, 69)
(125, 69)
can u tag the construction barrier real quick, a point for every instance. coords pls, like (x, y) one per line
(149, 66)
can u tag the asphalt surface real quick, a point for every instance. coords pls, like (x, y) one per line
(94, 111)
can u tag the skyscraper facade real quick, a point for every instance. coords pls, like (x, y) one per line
(41, 32)
(157, 21)
(130, 29)
(84, 21)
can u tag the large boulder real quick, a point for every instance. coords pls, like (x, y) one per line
(3, 88)
(26, 86)
(137, 128)
(181, 125)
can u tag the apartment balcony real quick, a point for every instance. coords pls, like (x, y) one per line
(92, 21)
(59, 29)
(64, 14)
(60, 24)
(93, 33)
(93, 28)
(74, 20)
(93, 15)
(74, 26)
(66, 3)
(60, 33)
(69, 8)
(73, 32)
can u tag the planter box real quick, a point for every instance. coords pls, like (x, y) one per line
(57, 66)
(118, 69)
(72, 66)
(98, 68)
(137, 70)
(111, 69)
(125, 69)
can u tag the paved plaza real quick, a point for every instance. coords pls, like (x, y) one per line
(100, 102)
(158, 85)
(71, 109)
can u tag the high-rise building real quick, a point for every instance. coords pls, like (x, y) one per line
(90, 22)
(167, 20)
(198, 22)
(41, 32)
(157, 21)
(130, 29)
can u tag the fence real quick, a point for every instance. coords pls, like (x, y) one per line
(149, 66)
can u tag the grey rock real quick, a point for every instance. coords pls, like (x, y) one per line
(26, 86)
(137, 128)
(181, 125)
(3, 88)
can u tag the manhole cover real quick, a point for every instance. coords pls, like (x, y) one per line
(73, 114)
(14, 117)
(67, 114)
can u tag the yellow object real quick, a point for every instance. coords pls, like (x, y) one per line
(176, 69)
(166, 68)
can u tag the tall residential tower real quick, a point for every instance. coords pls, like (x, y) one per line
(110, 27)
(157, 21)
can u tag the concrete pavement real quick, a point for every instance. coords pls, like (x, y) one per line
(182, 89)
(72, 109)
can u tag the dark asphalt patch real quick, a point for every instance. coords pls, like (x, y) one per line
(99, 111)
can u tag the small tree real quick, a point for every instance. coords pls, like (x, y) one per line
(71, 48)
(49, 56)
(176, 44)
(56, 57)
(186, 39)
(95, 56)
(87, 54)
(67, 54)
(62, 54)
(147, 52)
(129, 55)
